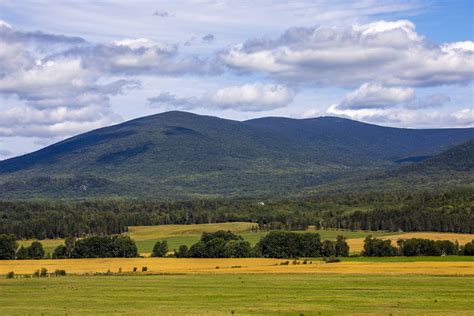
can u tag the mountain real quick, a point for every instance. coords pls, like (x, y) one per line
(184, 155)
(451, 168)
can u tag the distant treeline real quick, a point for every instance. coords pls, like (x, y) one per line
(451, 211)
(374, 247)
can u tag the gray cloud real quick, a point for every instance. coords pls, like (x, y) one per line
(208, 38)
(432, 101)
(162, 14)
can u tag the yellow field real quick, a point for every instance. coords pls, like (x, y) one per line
(357, 244)
(247, 265)
(163, 231)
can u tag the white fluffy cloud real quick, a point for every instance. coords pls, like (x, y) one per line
(247, 98)
(389, 53)
(371, 95)
(406, 117)
(64, 83)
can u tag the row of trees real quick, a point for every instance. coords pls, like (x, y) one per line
(89, 247)
(374, 247)
(276, 244)
(441, 211)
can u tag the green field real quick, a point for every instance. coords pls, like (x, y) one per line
(279, 294)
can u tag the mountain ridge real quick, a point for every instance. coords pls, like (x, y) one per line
(179, 154)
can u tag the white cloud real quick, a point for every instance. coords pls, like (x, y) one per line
(371, 95)
(403, 117)
(389, 53)
(254, 97)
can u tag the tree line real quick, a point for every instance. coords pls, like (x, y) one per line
(374, 247)
(450, 211)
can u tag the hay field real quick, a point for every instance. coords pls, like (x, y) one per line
(237, 266)
(357, 244)
(242, 294)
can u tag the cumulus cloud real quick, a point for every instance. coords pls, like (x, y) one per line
(408, 117)
(390, 53)
(65, 83)
(375, 96)
(247, 98)
(371, 95)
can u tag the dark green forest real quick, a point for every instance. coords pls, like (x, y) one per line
(444, 211)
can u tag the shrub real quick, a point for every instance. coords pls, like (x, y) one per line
(8, 246)
(22, 253)
(160, 249)
(468, 249)
(144, 269)
(374, 247)
(10, 275)
(60, 272)
(183, 252)
(60, 252)
(36, 250)
(43, 273)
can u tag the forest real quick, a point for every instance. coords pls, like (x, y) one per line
(444, 211)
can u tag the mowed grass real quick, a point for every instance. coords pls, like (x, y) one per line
(280, 294)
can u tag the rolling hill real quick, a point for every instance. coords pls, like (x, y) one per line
(183, 155)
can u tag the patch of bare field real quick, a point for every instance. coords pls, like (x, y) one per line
(357, 244)
(233, 266)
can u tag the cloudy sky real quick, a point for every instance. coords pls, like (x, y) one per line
(68, 67)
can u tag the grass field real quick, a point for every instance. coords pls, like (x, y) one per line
(280, 294)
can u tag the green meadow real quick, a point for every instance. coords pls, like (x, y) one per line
(277, 294)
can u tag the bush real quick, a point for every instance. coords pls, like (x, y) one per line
(10, 275)
(374, 247)
(144, 269)
(60, 272)
(60, 252)
(36, 251)
(43, 273)
(117, 246)
(22, 253)
(281, 244)
(8, 246)
(183, 252)
(468, 249)
(160, 249)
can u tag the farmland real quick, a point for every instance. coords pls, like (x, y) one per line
(308, 294)
(146, 236)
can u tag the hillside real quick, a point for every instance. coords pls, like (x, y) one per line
(179, 154)
(451, 168)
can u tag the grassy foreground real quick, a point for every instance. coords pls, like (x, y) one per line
(279, 294)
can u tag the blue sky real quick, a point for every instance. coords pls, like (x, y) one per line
(69, 67)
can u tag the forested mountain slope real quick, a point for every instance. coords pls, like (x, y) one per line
(178, 154)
